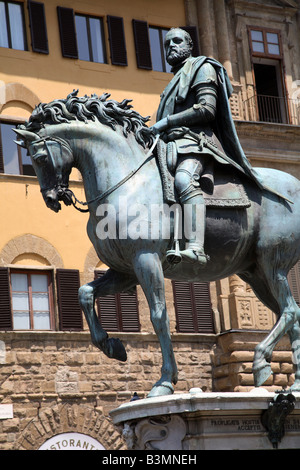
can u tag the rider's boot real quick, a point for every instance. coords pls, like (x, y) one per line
(194, 212)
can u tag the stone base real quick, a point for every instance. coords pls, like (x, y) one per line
(211, 421)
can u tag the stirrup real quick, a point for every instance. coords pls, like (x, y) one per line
(173, 256)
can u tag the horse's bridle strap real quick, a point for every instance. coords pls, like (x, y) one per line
(61, 187)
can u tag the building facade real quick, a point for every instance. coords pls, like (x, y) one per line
(56, 389)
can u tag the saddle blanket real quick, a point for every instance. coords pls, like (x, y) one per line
(228, 190)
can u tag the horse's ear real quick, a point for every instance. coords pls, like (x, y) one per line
(21, 143)
(26, 136)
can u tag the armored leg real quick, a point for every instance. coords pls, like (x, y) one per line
(194, 211)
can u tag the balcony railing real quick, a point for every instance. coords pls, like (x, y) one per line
(264, 108)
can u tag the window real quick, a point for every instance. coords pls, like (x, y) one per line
(118, 312)
(12, 28)
(193, 307)
(265, 42)
(90, 38)
(82, 37)
(27, 300)
(14, 159)
(31, 294)
(157, 38)
(271, 102)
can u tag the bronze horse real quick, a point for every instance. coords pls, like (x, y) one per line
(109, 144)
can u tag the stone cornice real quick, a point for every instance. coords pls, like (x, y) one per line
(247, 6)
(84, 336)
(265, 130)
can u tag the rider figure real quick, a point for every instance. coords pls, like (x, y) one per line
(194, 112)
(197, 113)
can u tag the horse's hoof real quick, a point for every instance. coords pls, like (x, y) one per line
(115, 349)
(261, 374)
(161, 389)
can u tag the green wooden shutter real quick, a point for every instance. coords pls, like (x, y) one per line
(70, 315)
(193, 307)
(142, 44)
(38, 27)
(117, 40)
(5, 302)
(67, 31)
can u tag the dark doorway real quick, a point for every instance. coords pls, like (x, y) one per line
(269, 97)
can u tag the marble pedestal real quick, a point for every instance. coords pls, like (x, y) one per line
(211, 421)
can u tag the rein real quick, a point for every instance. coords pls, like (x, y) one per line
(62, 190)
(74, 199)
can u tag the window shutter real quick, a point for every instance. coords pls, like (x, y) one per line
(142, 44)
(107, 309)
(193, 307)
(129, 311)
(117, 40)
(67, 32)
(70, 315)
(203, 309)
(118, 312)
(38, 28)
(5, 302)
(193, 32)
(294, 282)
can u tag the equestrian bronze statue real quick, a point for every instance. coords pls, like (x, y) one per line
(214, 215)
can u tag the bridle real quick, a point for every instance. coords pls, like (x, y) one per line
(64, 192)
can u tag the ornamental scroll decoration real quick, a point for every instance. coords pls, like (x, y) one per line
(161, 433)
(273, 418)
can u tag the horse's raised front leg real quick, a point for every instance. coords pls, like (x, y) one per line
(111, 282)
(150, 276)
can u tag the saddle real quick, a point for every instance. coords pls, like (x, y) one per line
(227, 189)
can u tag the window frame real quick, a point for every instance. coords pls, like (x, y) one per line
(90, 45)
(7, 19)
(14, 124)
(29, 273)
(270, 59)
(264, 31)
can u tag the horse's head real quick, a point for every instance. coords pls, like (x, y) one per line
(52, 161)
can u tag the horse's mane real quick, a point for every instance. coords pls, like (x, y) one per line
(92, 108)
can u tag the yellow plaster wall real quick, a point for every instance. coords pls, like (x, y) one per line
(52, 76)
(27, 78)
(23, 211)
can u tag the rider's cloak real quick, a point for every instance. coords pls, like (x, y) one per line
(177, 91)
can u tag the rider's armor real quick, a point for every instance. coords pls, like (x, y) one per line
(189, 126)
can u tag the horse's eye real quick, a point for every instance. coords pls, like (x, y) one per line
(40, 159)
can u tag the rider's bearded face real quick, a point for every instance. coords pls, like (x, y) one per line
(177, 48)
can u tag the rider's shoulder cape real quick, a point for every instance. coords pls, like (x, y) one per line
(177, 91)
